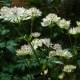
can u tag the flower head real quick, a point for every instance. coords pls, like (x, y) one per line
(50, 20)
(46, 41)
(36, 43)
(57, 47)
(69, 68)
(36, 34)
(73, 31)
(78, 23)
(33, 12)
(25, 50)
(64, 53)
(17, 14)
(13, 14)
(64, 24)
(52, 54)
(61, 76)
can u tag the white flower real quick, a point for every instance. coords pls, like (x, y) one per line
(57, 47)
(45, 71)
(61, 76)
(25, 50)
(64, 24)
(64, 53)
(46, 41)
(36, 43)
(69, 68)
(13, 14)
(4, 12)
(36, 34)
(73, 31)
(52, 54)
(17, 14)
(50, 20)
(33, 12)
(78, 23)
(78, 29)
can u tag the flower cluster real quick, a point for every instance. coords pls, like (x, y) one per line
(17, 14)
(69, 68)
(39, 42)
(36, 34)
(33, 12)
(62, 53)
(61, 76)
(64, 24)
(25, 50)
(46, 41)
(50, 20)
(57, 47)
(36, 43)
(75, 30)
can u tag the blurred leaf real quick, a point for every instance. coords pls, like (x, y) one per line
(10, 45)
(78, 62)
(4, 76)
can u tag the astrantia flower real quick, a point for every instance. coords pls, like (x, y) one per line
(17, 14)
(13, 14)
(52, 54)
(64, 24)
(36, 43)
(4, 12)
(25, 50)
(78, 23)
(57, 47)
(33, 12)
(64, 53)
(46, 41)
(73, 31)
(69, 68)
(36, 34)
(61, 76)
(50, 20)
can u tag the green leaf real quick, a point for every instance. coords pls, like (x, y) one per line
(78, 62)
(5, 76)
(11, 46)
(28, 77)
(2, 44)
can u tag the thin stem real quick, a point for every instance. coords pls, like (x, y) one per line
(70, 40)
(50, 32)
(32, 24)
(75, 40)
(36, 57)
(17, 30)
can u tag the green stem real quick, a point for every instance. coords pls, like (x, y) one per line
(36, 57)
(32, 24)
(50, 32)
(17, 30)
(75, 40)
(70, 40)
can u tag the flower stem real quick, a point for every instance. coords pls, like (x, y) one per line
(32, 24)
(17, 30)
(70, 40)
